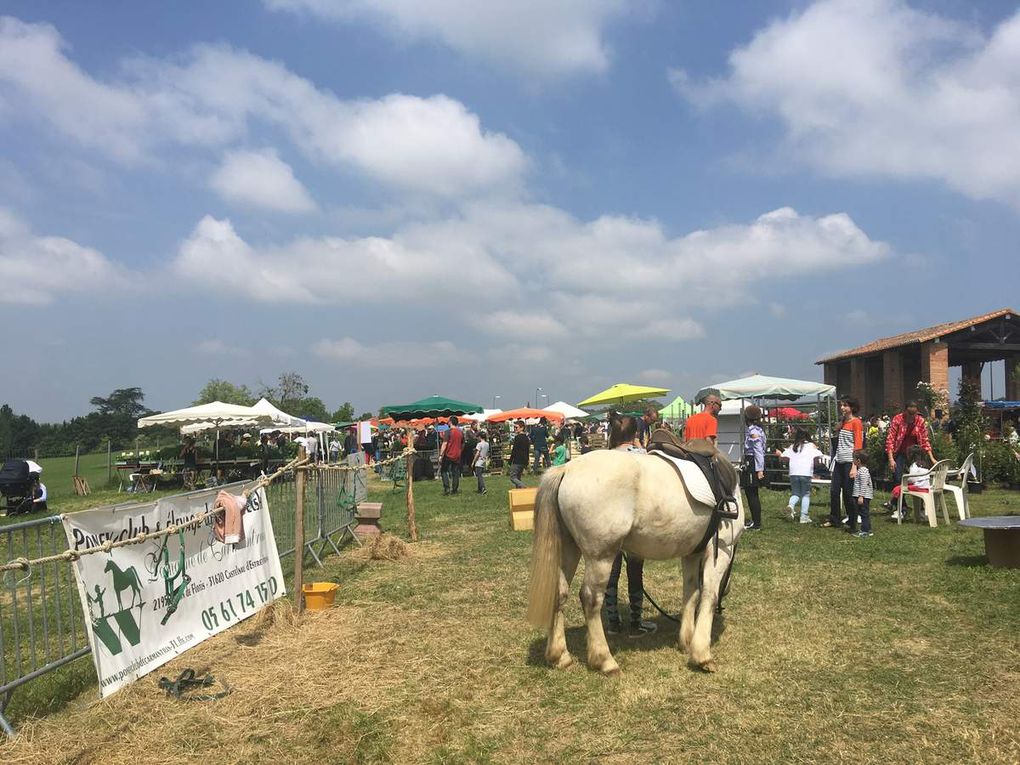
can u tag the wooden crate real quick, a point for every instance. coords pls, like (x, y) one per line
(522, 509)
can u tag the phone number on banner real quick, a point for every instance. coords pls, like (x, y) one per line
(240, 606)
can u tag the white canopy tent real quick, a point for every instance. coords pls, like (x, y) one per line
(762, 386)
(279, 416)
(759, 389)
(216, 414)
(199, 427)
(481, 416)
(568, 411)
(308, 427)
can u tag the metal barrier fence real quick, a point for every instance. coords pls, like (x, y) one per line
(41, 623)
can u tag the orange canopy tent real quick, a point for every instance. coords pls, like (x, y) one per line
(524, 413)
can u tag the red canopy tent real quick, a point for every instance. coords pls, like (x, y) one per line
(789, 413)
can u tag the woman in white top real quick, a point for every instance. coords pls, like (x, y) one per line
(802, 455)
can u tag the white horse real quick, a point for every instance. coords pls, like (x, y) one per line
(610, 500)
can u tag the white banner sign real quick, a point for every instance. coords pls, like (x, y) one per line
(146, 603)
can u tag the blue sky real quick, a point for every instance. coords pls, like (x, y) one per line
(477, 199)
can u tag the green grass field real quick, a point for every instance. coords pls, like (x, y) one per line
(901, 648)
(58, 473)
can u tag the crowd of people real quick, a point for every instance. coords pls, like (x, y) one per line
(465, 448)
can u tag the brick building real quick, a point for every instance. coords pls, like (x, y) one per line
(884, 373)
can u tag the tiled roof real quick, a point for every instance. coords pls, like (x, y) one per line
(918, 335)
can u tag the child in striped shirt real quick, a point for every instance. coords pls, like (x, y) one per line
(864, 492)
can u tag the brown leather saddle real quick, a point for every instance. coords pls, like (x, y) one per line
(717, 469)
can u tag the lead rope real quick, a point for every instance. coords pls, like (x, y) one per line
(187, 681)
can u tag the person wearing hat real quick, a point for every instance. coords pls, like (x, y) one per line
(753, 473)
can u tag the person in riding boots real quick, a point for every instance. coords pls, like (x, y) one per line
(623, 431)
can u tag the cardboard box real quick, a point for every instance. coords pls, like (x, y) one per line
(522, 509)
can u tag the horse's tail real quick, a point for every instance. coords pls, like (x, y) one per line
(545, 552)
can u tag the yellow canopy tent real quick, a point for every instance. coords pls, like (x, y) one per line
(621, 393)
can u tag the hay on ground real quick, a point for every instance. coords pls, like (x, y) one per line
(384, 547)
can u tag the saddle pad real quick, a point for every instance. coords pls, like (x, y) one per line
(693, 478)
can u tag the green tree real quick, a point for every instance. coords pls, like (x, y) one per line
(309, 408)
(123, 401)
(221, 390)
(289, 390)
(19, 433)
(971, 424)
(344, 414)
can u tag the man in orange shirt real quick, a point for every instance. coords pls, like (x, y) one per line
(705, 423)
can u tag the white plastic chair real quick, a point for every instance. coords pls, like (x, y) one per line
(960, 492)
(933, 498)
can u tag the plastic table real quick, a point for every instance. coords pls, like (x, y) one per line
(1002, 539)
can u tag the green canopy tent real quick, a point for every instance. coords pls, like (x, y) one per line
(433, 406)
(677, 409)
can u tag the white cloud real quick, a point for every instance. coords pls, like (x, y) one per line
(672, 329)
(35, 74)
(217, 347)
(518, 353)
(397, 355)
(654, 375)
(777, 309)
(35, 269)
(537, 326)
(546, 276)
(260, 179)
(875, 88)
(213, 96)
(327, 269)
(539, 37)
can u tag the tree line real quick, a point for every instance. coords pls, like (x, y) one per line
(114, 418)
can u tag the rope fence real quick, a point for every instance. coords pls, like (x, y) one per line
(69, 555)
(300, 462)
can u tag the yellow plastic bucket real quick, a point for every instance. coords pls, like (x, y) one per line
(319, 595)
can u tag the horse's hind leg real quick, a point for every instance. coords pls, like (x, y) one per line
(593, 591)
(701, 644)
(691, 567)
(556, 652)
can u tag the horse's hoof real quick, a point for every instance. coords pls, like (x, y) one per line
(614, 672)
(708, 666)
(563, 662)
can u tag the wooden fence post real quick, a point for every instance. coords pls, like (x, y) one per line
(299, 535)
(412, 524)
